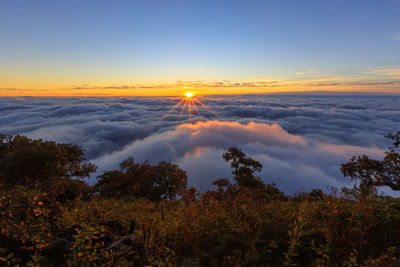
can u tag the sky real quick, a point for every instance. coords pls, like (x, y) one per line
(300, 140)
(143, 48)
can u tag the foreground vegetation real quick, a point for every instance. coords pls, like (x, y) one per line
(144, 215)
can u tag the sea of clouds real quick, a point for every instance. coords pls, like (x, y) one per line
(300, 140)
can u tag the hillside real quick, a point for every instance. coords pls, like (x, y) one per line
(144, 214)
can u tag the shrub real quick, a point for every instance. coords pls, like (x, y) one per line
(154, 182)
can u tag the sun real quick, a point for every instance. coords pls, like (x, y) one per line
(189, 94)
(188, 102)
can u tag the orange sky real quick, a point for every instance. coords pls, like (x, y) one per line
(369, 85)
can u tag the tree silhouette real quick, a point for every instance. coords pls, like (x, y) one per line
(28, 162)
(243, 168)
(154, 182)
(372, 172)
(222, 183)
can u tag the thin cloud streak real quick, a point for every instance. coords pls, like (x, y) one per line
(385, 79)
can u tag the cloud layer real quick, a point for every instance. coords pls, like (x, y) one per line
(301, 140)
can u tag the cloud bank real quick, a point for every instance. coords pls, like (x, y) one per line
(289, 160)
(300, 140)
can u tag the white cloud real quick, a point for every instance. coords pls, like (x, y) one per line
(289, 160)
(301, 140)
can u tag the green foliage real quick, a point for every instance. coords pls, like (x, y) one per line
(154, 182)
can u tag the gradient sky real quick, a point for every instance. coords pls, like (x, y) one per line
(164, 47)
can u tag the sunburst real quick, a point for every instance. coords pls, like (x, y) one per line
(189, 94)
(188, 102)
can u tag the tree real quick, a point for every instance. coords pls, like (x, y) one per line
(222, 183)
(243, 168)
(372, 172)
(53, 166)
(154, 182)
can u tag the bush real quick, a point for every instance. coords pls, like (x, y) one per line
(154, 182)
(37, 163)
(247, 223)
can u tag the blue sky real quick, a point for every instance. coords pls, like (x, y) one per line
(57, 44)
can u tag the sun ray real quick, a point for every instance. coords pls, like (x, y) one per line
(187, 101)
(183, 108)
(190, 111)
(194, 105)
(209, 109)
(172, 109)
